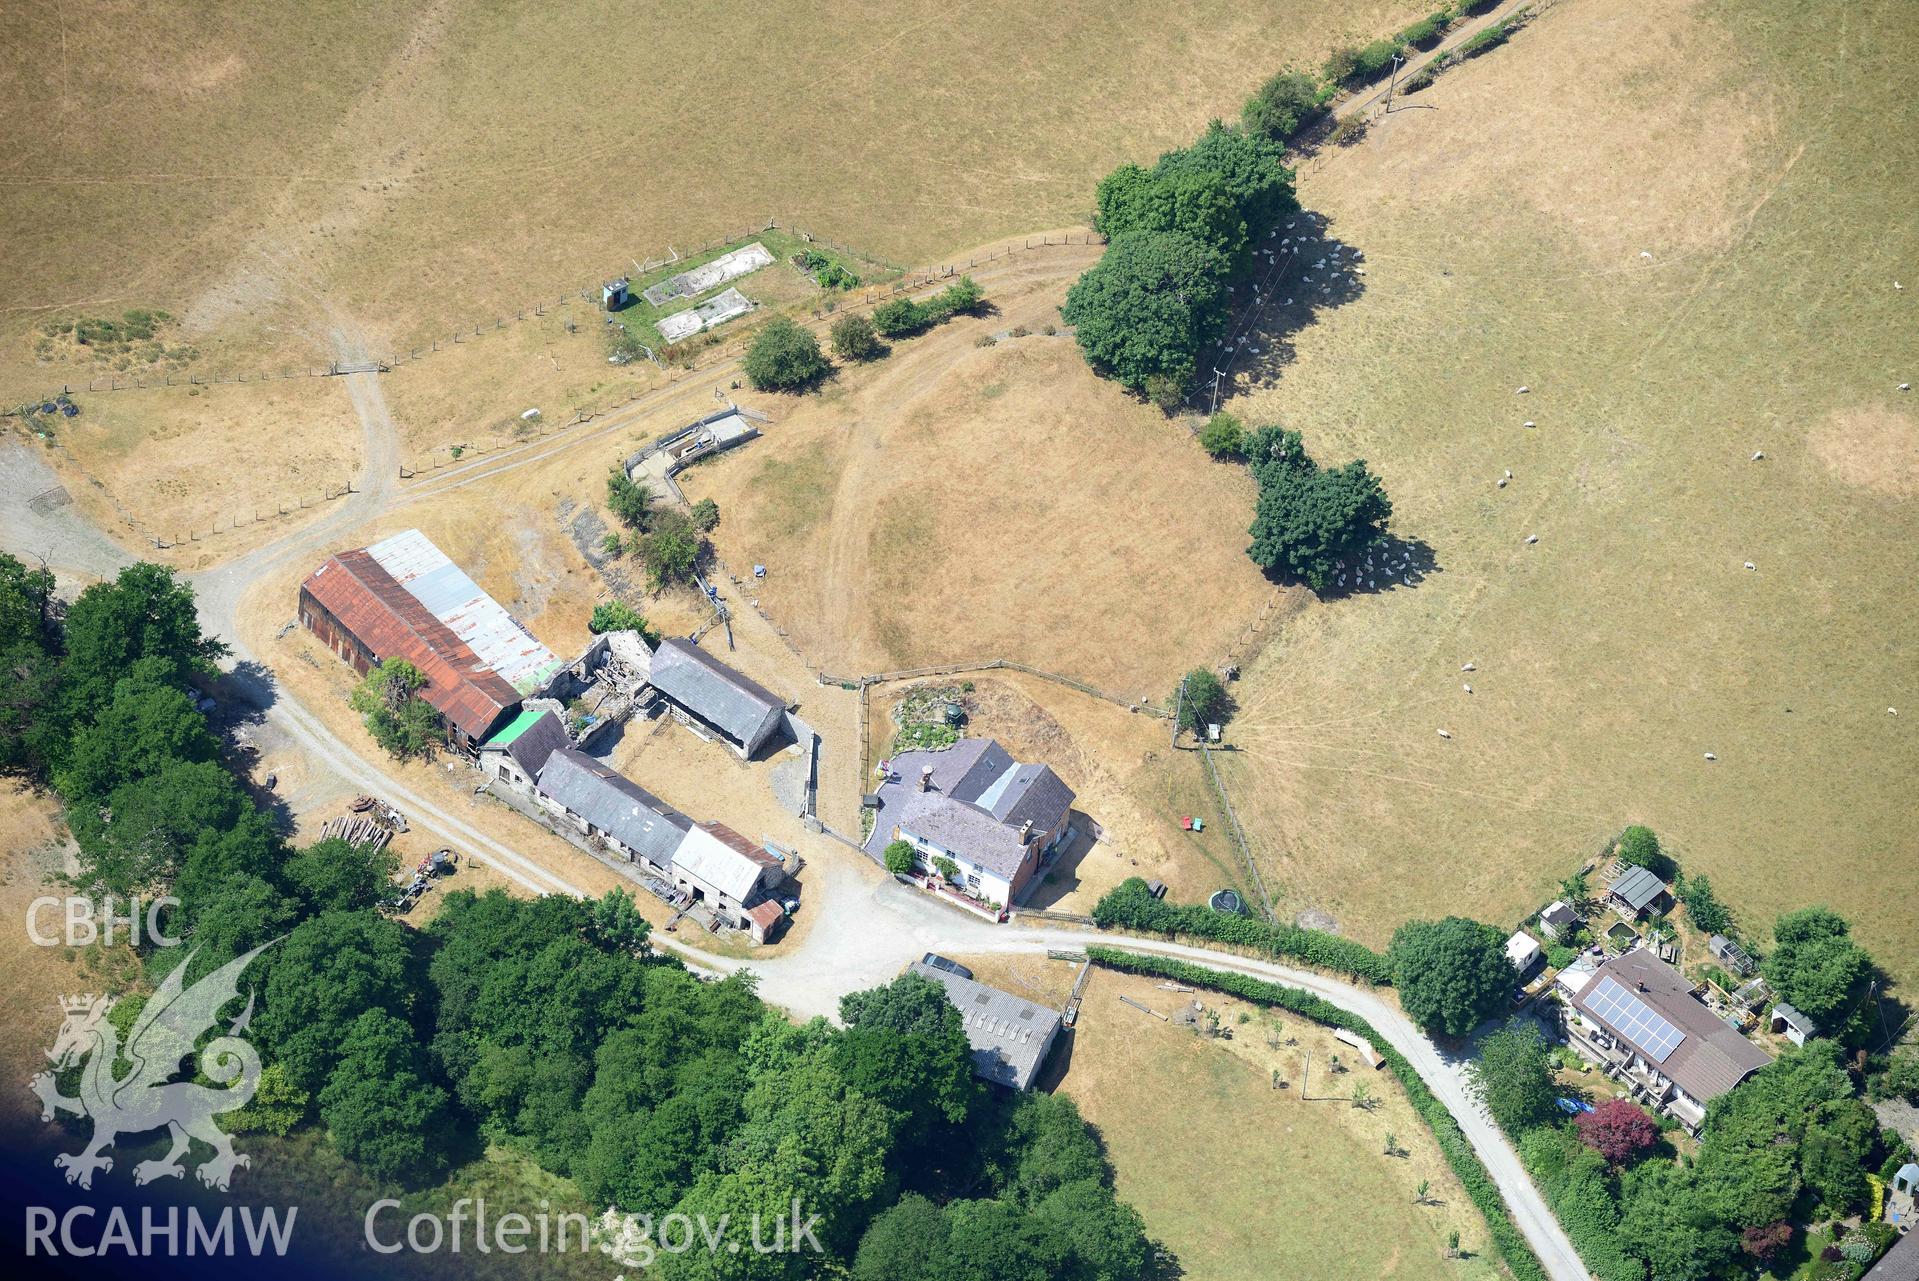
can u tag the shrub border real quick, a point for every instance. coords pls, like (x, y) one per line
(1465, 1163)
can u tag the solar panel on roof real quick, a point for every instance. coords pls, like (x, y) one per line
(1633, 1019)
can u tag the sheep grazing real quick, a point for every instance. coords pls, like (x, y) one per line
(1711, 757)
(1892, 711)
(1531, 423)
(1445, 733)
(1751, 566)
(1522, 391)
(1757, 454)
(1467, 667)
(1905, 386)
(1509, 473)
(1502, 482)
(1645, 253)
(1531, 539)
(1467, 688)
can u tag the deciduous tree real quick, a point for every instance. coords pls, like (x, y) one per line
(1148, 306)
(399, 718)
(785, 357)
(1512, 1076)
(1618, 1129)
(1452, 974)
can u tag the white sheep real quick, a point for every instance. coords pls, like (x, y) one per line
(1711, 757)
(1502, 482)
(1467, 667)
(1467, 688)
(1531, 539)
(1531, 423)
(1905, 386)
(1445, 733)
(1751, 566)
(1645, 253)
(1892, 711)
(1757, 454)
(1509, 473)
(1522, 391)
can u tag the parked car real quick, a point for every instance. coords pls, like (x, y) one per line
(939, 962)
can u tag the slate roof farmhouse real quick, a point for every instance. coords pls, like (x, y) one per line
(973, 803)
(1637, 1017)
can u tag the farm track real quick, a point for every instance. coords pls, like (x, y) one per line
(1046, 265)
(895, 924)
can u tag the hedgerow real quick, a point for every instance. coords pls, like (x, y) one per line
(1130, 905)
(1465, 1163)
(903, 316)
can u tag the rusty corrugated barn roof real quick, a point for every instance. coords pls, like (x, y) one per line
(391, 623)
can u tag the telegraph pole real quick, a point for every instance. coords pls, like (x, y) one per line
(1217, 375)
(1394, 84)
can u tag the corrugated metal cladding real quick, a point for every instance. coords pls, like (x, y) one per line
(472, 615)
(386, 621)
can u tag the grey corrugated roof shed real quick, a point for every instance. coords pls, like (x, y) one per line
(615, 804)
(701, 683)
(1637, 888)
(1009, 1036)
(1712, 1058)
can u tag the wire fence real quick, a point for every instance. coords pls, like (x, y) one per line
(717, 355)
(906, 279)
(988, 665)
(256, 514)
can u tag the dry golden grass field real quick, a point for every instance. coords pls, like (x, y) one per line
(954, 503)
(1680, 224)
(1240, 1179)
(262, 173)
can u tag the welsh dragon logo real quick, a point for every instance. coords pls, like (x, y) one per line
(145, 1097)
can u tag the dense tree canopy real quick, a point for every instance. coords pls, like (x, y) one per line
(395, 712)
(331, 970)
(785, 357)
(1817, 967)
(1512, 1076)
(145, 612)
(1148, 306)
(381, 1105)
(1309, 523)
(1452, 975)
(333, 876)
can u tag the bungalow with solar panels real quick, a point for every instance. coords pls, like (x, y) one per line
(1637, 1017)
(713, 699)
(1009, 1035)
(1636, 893)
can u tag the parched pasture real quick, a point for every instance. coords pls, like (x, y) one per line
(1726, 290)
(261, 172)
